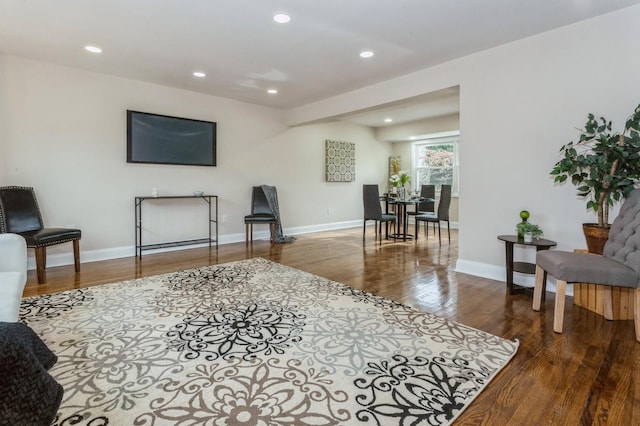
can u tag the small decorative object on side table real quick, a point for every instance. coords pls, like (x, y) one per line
(522, 267)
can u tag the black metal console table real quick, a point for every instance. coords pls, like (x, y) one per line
(213, 221)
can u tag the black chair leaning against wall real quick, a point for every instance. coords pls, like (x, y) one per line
(619, 265)
(20, 214)
(441, 216)
(373, 211)
(261, 213)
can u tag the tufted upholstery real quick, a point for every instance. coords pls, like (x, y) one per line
(619, 266)
(20, 214)
(623, 244)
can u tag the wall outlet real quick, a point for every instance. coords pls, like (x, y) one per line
(328, 211)
(224, 218)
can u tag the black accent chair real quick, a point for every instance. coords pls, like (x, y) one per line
(261, 213)
(441, 216)
(20, 214)
(373, 211)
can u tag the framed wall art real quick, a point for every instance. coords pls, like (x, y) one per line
(340, 161)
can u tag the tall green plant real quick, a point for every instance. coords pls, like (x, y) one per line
(604, 166)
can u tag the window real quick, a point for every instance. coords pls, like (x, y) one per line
(435, 161)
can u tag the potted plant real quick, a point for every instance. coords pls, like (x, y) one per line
(604, 166)
(399, 180)
(529, 231)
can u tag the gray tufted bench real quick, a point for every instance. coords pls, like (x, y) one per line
(619, 266)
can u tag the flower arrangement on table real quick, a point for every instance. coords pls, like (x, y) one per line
(400, 179)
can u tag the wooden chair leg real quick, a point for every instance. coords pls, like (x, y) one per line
(538, 288)
(41, 261)
(449, 232)
(439, 238)
(246, 233)
(558, 313)
(76, 254)
(636, 314)
(272, 231)
(251, 232)
(607, 296)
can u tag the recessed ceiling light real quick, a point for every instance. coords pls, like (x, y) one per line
(272, 91)
(199, 74)
(366, 54)
(281, 18)
(92, 49)
(412, 138)
(388, 120)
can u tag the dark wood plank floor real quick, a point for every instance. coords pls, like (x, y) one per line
(590, 374)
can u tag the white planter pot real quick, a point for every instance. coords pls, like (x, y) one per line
(528, 237)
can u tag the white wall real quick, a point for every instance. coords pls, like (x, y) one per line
(64, 133)
(518, 104)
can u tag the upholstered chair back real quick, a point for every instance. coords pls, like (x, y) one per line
(623, 244)
(19, 211)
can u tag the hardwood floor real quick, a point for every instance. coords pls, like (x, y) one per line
(590, 374)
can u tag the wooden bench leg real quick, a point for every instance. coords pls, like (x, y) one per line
(41, 264)
(558, 313)
(607, 296)
(538, 289)
(636, 313)
(76, 254)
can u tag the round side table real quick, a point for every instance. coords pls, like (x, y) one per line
(522, 267)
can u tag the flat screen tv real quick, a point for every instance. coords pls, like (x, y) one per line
(161, 139)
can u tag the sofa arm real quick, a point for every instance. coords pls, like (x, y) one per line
(13, 253)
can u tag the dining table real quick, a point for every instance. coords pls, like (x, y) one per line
(402, 213)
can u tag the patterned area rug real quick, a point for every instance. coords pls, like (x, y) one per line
(257, 343)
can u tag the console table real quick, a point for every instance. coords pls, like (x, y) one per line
(210, 200)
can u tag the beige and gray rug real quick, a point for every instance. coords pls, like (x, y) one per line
(257, 343)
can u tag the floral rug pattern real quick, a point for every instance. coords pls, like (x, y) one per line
(255, 342)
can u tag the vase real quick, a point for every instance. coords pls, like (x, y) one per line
(528, 237)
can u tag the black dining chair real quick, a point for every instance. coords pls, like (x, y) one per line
(373, 211)
(441, 216)
(428, 193)
(20, 214)
(261, 213)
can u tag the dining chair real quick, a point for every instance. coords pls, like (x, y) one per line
(261, 213)
(428, 192)
(373, 211)
(619, 265)
(442, 214)
(20, 214)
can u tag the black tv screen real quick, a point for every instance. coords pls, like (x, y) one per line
(161, 139)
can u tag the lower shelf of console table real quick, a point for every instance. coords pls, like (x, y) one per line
(210, 200)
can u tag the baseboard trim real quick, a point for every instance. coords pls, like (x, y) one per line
(499, 273)
(86, 256)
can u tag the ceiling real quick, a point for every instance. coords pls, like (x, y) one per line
(244, 52)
